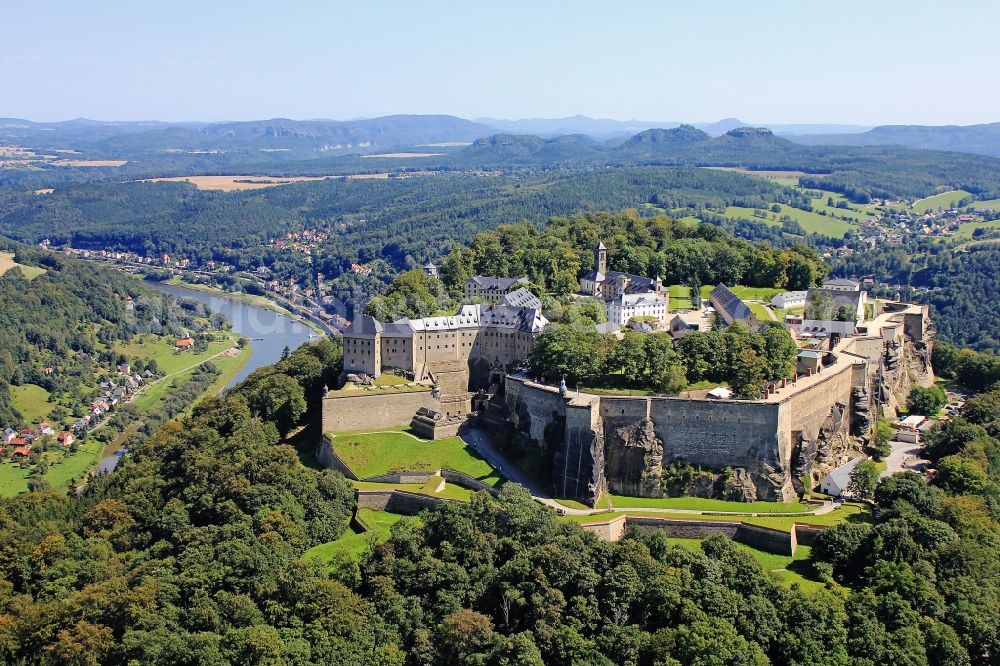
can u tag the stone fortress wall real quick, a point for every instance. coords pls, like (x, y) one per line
(623, 443)
(347, 413)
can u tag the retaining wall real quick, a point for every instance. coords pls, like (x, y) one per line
(401, 476)
(465, 481)
(375, 411)
(328, 458)
(762, 538)
(396, 501)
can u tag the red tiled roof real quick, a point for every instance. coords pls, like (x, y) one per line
(186, 342)
(22, 451)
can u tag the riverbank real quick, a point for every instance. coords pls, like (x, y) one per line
(249, 299)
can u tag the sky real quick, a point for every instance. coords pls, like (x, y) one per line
(862, 62)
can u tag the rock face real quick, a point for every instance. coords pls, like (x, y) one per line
(578, 467)
(633, 460)
(739, 487)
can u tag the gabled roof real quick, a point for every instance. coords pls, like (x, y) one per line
(496, 283)
(730, 304)
(522, 298)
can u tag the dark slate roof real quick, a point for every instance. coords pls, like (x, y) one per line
(724, 299)
(365, 327)
(636, 282)
(398, 328)
(522, 298)
(498, 283)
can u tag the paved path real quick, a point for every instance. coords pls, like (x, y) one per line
(480, 442)
(905, 457)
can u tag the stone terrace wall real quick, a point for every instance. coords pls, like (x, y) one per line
(396, 501)
(465, 481)
(328, 458)
(374, 412)
(762, 538)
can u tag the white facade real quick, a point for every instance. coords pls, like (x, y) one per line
(789, 299)
(627, 306)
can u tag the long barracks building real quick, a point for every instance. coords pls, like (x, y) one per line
(494, 333)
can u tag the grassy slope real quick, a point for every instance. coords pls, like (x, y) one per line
(32, 401)
(849, 512)
(943, 200)
(7, 262)
(353, 543)
(811, 222)
(371, 454)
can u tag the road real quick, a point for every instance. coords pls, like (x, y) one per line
(904, 457)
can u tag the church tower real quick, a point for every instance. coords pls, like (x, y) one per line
(601, 259)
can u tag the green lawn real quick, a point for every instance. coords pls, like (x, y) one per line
(759, 311)
(352, 543)
(701, 504)
(811, 222)
(32, 401)
(943, 200)
(849, 513)
(680, 297)
(13, 479)
(76, 465)
(371, 454)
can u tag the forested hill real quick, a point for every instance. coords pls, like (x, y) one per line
(416, 143)
(980, 139)
(67, 318)
(190, 552)
(398, 220)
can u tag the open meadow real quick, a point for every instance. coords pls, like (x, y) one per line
(7, 262)
(947, 199)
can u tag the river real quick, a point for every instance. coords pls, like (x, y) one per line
(269, 332)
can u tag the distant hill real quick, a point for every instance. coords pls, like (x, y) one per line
(384, 132)
(297, 136)
(977, 139)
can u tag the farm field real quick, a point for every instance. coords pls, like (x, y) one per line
(91, 163)
(990, 204)
(967, 229)
(702, 504)
(375, 453)
(810, 222)
(943, 200)
(781, 177)
(234, 183)
(32, 401)
(7, 262)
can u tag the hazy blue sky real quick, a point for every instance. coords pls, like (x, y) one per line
(849, 61)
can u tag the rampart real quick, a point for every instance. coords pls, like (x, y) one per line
(763, 538)
(347, 413)
(625, 442)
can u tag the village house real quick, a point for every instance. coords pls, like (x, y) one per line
(184, 344)
(66, 438)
